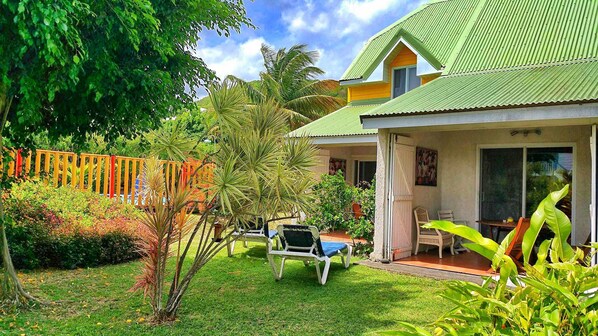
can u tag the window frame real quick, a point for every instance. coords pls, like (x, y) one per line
(392, 79)
(357, 169)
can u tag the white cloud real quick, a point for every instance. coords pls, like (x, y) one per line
(355, 14)
(365, 10)
(307, 21)
(243, 59)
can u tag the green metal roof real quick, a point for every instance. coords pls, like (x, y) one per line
(495, 53)
(572, 82)
(343, 122)
(528, 32)
(433, 29)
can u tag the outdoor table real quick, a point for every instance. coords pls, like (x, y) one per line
(498, 225)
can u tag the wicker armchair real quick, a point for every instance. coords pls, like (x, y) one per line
(431, 236)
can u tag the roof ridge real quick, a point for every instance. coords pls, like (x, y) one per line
(464, 35)
(406, 17)
(525, 67)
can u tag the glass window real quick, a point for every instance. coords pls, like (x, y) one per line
(515, 180)
(404, 79)
(502, 183)
(412, 80)
(365, 171)
(399, 80)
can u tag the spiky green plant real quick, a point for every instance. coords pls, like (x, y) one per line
(259, 172)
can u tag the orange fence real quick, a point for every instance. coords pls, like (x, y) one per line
(115, 176)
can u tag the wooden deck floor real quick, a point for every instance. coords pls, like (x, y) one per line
(464, 262)
(339, 236)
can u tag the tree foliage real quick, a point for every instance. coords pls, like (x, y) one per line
(107, 67)
(291, 79)
(80, 67)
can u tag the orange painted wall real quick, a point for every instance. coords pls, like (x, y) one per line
(369, 91)
(405, 57)
(427, 78)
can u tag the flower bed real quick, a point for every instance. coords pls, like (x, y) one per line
(67, 228)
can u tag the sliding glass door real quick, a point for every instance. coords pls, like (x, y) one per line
(502, 183)
(515, 180)
(548, 169)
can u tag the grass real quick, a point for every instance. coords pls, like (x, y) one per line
(230, 296)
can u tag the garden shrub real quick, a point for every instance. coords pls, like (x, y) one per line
(334, 198)
(333, 209)
(363, 228)
(67, 228)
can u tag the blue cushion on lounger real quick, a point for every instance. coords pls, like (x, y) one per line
(332, 248)
(272, 233)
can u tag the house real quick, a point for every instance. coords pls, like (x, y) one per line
(479, 106)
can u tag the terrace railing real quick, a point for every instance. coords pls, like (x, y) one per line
(114, 176)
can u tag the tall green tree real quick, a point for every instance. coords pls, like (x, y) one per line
(291, 79)
(77, 67)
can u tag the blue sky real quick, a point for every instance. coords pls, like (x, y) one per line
(336, 28)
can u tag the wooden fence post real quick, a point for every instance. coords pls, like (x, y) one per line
(183, 179)
(112, 173)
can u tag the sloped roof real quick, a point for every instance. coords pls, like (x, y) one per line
(343, 122)
(495, 54)
(514, 54)
(541, 85)
(437, 27)
(518, 33)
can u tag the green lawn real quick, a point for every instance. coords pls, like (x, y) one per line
(231, 296)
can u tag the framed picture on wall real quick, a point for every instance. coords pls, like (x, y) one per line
(336, 165)
(426, 170)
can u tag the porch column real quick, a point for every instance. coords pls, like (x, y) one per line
(382, 173)
(593, 190)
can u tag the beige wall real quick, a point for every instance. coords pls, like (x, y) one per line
(425, 196)
(321, 166)
(458, 175)
(381, 200)
(349, 153)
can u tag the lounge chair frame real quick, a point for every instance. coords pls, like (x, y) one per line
(307, 254)
(259, 233)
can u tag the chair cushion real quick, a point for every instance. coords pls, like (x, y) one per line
(272, 233)
(332, 248)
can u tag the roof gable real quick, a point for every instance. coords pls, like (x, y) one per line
(433, 41)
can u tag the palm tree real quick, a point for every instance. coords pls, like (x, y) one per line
(290, 80)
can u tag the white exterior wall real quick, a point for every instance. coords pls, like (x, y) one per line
(458, 175)
(458, 162)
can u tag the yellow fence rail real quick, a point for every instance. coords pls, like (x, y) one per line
(118, 177)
